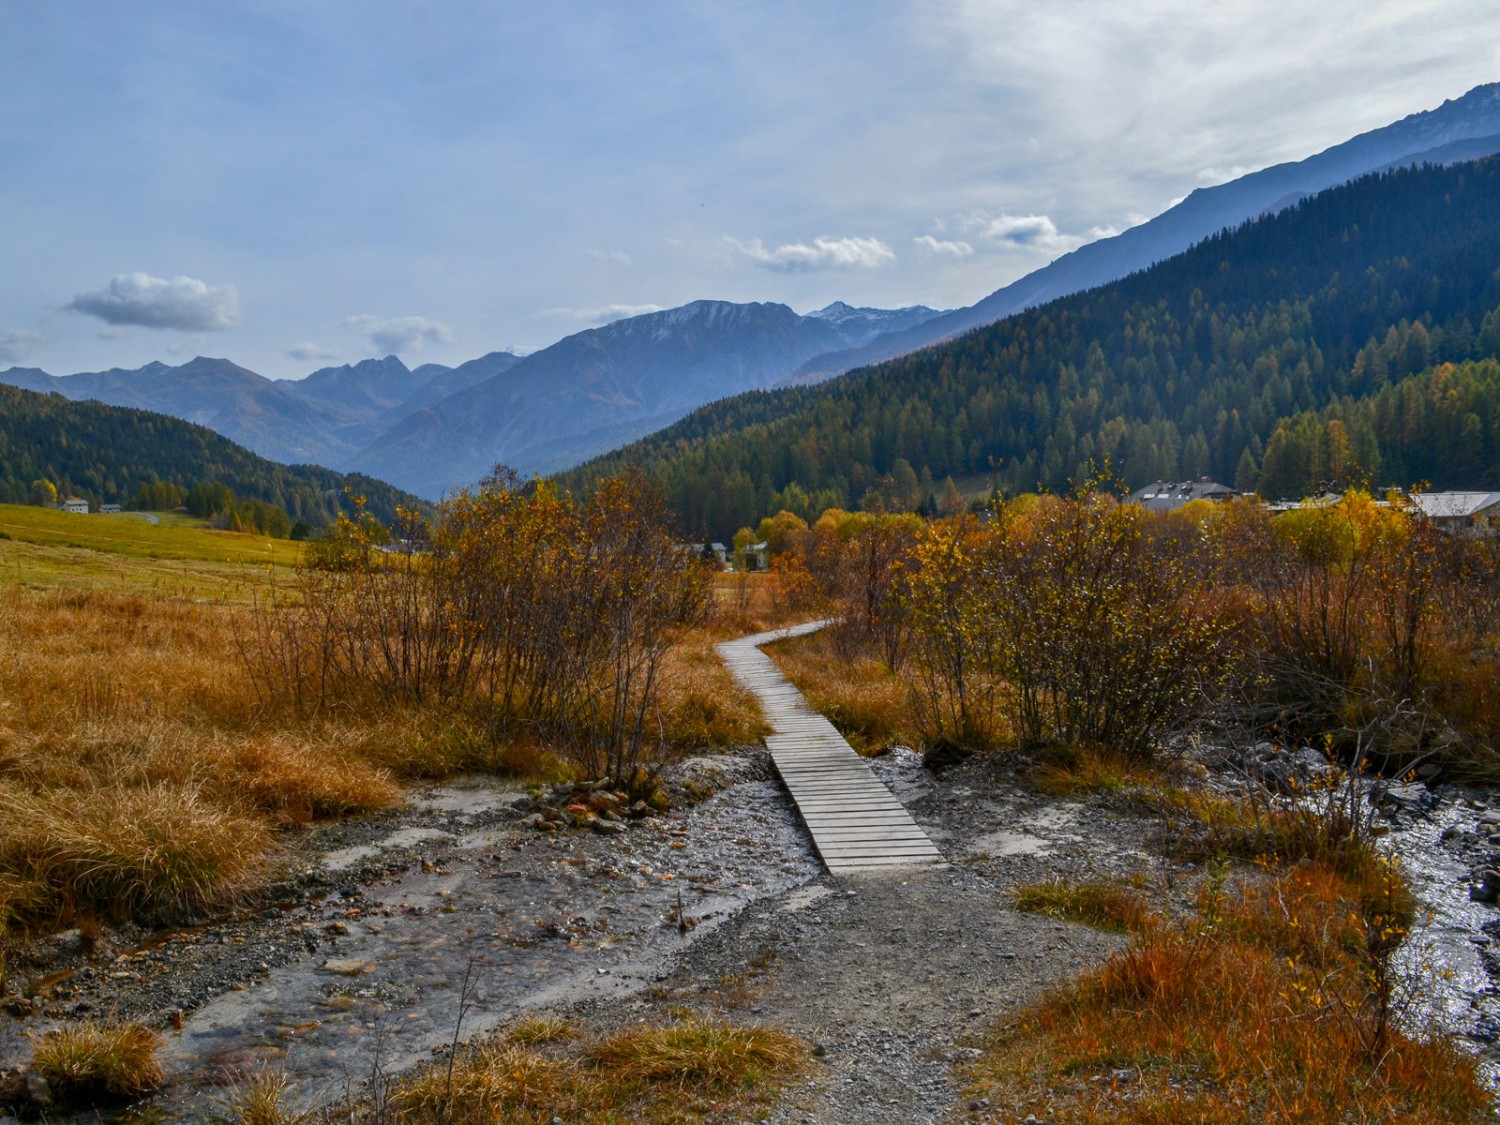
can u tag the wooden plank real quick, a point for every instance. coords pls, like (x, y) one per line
(854, 821)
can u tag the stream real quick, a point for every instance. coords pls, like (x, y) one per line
(483, 921)
(1451, 957)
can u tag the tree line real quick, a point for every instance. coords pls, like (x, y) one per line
(1184, 370)
(111, 454)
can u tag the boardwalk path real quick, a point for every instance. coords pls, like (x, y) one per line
(855, 822)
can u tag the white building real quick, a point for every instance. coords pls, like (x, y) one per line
(73, 504)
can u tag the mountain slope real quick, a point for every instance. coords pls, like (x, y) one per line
(1460, 129)
(1184, 369)
(236, 402)
(106, 453)
(597, 388)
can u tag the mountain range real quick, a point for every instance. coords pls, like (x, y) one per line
(433, 428)
(1353, 336)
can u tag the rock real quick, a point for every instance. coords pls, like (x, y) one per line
(607, 827)
(349, 968)
(1311, 762)
(338, 929)
(38, 1089)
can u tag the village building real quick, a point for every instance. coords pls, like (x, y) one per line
(1168, 496)
(73, 504)
(1461, 513)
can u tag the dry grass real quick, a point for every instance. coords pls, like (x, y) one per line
(1261, 1010)
(137, 773)
(1069, 770)
(703, 706)
(140, 773)
(1266, 1005)
(1105, 906)
(91, 1064)
(870, 706)
(262, 1097)
(687, 1071)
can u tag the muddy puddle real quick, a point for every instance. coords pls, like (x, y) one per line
(496, 917)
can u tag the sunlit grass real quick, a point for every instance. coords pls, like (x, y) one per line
(90, 1064)
(870, 706)
(691, 1070)
(1105, 906)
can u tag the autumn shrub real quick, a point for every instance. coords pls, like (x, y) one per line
(1364, 616)
(519, 604)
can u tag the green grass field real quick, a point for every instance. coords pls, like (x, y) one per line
(177, 556)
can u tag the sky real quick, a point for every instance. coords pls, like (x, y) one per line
(297, 184)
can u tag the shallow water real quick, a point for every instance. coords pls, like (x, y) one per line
(503, 921)
(1446, 956)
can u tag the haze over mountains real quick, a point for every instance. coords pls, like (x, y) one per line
(434, 428)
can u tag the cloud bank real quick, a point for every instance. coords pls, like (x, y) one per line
(307, 350)
(182, 303)
(821, 254)
(957, 248)
(401, 334)
(608, 314)
(18, 343)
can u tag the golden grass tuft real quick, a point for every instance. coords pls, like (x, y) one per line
(540, 1029)
(640, 1074)
(160, 850)
(93, 1064)
(1069, 770)
(261, 1098)
(1105, 906)
(706, 1054)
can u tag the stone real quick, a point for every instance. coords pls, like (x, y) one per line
(607, 827)
(38, 1089)
(338, 929)
(349, 968)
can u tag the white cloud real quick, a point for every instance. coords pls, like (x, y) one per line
(1212, 176)
(18, 343)
(943, 247)
(402, 333)
(307, 350)
(183, 303)
(822, 254)
(1029, 231)
(595, 317)
(613, 257)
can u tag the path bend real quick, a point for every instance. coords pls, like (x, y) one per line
(855, 822)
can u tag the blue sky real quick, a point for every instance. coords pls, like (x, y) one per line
(296, 184)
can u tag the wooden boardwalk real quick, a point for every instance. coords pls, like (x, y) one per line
(855, 822)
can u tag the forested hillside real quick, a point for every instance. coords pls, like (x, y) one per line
(1184, 370)
(110, 454)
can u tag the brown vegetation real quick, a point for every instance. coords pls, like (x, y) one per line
(691, 1070)
(92, 1064)
(1272, 1004)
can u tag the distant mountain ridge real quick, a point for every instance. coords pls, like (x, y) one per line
(1463, 128)
(596, 389)
(436, 428)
